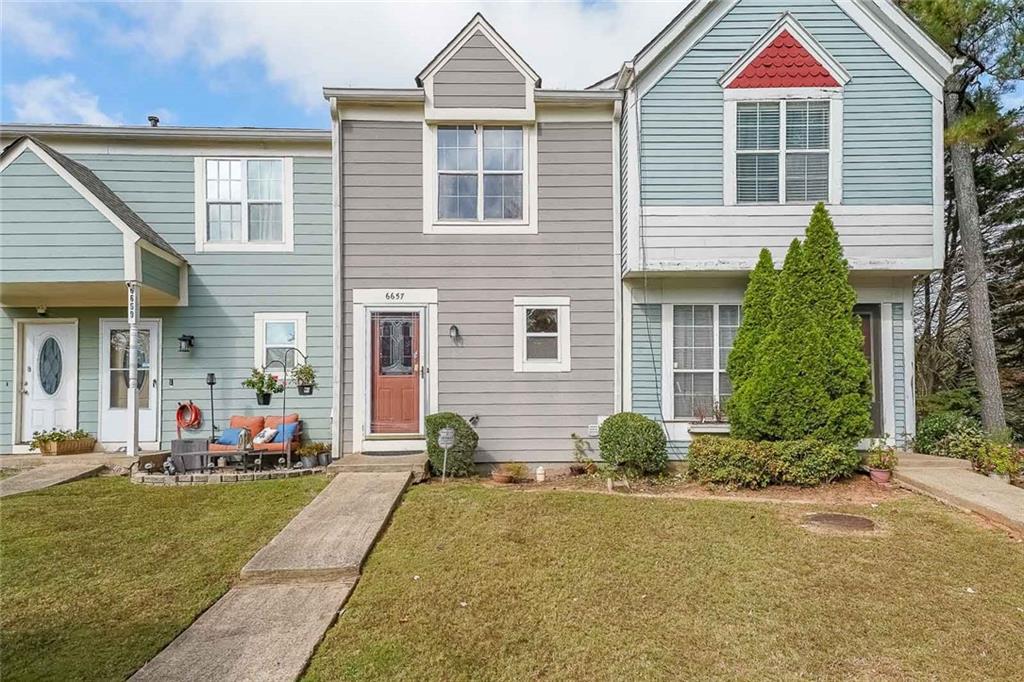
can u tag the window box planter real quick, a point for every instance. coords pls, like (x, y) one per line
(74, 446)
(709, 428)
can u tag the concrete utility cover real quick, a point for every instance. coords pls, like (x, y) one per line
(831, 521)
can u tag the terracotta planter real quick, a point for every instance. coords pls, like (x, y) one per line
(262, 398)
(880, 475)
(76, 446)
(499, 477)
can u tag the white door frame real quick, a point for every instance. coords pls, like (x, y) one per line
(18, 444)
(366, 301)
(157, 377)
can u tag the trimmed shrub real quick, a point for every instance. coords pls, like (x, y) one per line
(757, 319)
(730, 461)
(811, 462)
(460, 455)
(934, 428)
(634, 443)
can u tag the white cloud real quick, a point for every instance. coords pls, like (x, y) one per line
(56, 99)
(304, 46)
(20, 23)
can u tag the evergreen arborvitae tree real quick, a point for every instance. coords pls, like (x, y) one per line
(784, 397)
(831, 298)
(757, 319)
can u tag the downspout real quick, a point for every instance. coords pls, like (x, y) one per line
(617, 252)
(337, 287)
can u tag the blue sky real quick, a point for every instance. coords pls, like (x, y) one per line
(263, 64)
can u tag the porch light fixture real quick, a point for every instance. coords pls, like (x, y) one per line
(453, 334)
(185, 343)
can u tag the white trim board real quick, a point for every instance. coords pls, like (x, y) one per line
(562, 304)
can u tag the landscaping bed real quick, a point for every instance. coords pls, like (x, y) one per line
(478, 581)
(99, 575)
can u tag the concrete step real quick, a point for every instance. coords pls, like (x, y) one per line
(46, 476)
(415, 463)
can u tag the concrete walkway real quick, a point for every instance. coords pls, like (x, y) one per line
(266, 628)
(952, 481)
(46, 476)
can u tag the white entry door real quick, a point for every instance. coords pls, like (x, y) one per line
(49, 377)
(114, 418)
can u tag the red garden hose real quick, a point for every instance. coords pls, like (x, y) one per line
(188, 416)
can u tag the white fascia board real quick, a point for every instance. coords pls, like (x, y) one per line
(919, 39)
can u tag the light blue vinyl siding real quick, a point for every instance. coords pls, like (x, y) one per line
(159, 273)
(887, 133)
(645, 374)
(225, 290)
(899, 385)
(49, 233)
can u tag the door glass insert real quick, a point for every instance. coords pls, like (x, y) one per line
(119, 368)
(50, 366)
(395, 343)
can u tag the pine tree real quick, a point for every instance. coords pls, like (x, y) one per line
(757, 319)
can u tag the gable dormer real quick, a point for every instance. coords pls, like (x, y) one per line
(478, 75)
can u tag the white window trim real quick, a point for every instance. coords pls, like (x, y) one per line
(782, 95)
(520, 304)
(668, 382)
(260, 335)
(203, 245)
(433, 225)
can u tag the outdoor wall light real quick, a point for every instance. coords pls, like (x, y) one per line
(185, 343)
(453, 333)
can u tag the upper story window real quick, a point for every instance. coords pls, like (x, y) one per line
(782, 151)
(244, 204)
(480, 179)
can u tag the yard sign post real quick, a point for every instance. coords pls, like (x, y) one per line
(445, 439)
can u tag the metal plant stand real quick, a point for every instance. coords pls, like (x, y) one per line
(284, 395)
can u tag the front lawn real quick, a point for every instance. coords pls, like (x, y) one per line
(97, 576)
(476, 582)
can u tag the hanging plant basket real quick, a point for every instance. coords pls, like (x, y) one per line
(263, 398)
(305, 389)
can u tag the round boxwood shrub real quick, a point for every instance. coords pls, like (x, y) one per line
(730, 461)
(811, 462)
(634, 443)
(460, 455)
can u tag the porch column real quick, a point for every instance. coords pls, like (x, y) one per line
(132, 444)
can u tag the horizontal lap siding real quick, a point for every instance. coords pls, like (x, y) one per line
(50, 233)
(159, 273)
(887, 139)
(225, 290)
(524, 416)
(478, 75)
(645, 372)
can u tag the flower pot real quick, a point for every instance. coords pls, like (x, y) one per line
(262, 398)
(74, 446)
(305, 389)
(499, 477)
(308, 461)
(880, 475)
(577, 469)
(323, 458)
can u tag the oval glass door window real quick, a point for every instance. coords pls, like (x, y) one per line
(50, 366)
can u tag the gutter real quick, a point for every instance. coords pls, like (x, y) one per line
(166, 133)
(577, 96)
(375, 95)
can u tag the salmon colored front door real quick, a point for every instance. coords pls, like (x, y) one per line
(395, 372)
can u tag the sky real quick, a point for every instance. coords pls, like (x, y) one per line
(264, 63)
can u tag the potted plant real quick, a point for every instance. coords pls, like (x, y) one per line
(882, 460)
(264, 384)
(305, 378)
(313, 454)
(62, 442)
(509, 472)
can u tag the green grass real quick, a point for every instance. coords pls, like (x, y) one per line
(97, 576)
(562, 585)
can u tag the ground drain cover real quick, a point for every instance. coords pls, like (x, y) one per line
(839, 521)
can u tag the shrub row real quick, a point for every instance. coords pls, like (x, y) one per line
(756, 464)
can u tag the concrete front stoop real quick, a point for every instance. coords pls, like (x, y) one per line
(266, 628)
(417, 463)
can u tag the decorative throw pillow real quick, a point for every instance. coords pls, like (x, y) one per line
(229, 437)
(264, 436)
(286, 432)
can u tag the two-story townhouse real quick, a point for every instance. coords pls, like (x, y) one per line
(477, 254)
(738, 117)
(227, 232)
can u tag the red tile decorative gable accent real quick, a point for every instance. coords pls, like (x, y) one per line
(784, 63)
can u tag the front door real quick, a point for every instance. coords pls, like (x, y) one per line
(49, 377)
(395, 372)
(869, 325)
(115, 420)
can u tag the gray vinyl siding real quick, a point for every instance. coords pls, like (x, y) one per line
(899, 374)
(225, 290)
(522, 416)
(159, 273)
(50, 233)
(887, 134)
(478, 75)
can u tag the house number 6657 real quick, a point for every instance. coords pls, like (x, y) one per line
(394, 295)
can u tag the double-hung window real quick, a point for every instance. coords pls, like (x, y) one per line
(702, 337)
(480, 173)
(541, 328)
(275, 333)
(243, 204)
(782, 151)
